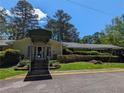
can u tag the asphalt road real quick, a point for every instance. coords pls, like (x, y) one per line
(82, 83)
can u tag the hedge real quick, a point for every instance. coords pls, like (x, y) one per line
(9, 57)
(86, 52)
(2, 54)
(67, 51)
(77, 58)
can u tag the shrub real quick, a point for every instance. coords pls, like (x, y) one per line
(11, 57)
(86, 52)
(67, 51)
(2, 53)
(77, 58)
(105, 54)
(51, 62)
(23, 63)
(54, 64)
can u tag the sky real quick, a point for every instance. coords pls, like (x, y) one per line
(88, 16)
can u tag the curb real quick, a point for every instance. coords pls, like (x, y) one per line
(71, 72)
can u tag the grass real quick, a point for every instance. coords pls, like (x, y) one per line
(86, 65)
(8, 72)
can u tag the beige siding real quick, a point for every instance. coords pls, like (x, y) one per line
(56, 47)
(22, 45)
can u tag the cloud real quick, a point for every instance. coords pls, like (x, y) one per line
(40, 14)
(8, 13)
(1, 8)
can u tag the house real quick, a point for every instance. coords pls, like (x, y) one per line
(39, 45)
(115, 50)
(4, 44)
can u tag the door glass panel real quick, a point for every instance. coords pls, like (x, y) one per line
(39, 54)
(42, 52)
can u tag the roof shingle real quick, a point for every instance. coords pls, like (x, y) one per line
(90, 46)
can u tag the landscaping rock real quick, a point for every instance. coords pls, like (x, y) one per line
(96, 61)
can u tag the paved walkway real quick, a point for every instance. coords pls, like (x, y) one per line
(96, 82)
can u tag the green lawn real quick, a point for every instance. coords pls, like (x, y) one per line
(86, 65)
(8, 72)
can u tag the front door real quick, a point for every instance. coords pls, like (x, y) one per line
(42, 53)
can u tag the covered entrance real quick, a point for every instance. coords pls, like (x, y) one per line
(39, 51)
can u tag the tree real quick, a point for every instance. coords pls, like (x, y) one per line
(93, 39)
(23, 19)
(62, 28)
(86, 39)
(2, 23)
(114, 32)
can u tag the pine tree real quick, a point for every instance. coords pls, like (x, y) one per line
(62, 29)
(2, 22)
(24, 18)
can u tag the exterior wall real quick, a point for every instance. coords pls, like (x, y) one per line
(56, 47)
(22, 45)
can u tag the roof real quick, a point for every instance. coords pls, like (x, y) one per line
(6, 42)
(90, 46)
(40, 35)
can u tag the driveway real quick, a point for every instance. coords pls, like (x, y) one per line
(77, 83)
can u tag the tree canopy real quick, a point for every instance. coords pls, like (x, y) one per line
(112, 34)
(61, 27)
(93, 39)
(3, 23)
(23, 19)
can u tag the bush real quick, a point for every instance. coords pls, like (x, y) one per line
(23, 63)
(77, 58)
(51, 62)
(105, 54)
(2, 53)
(67, 51)
(10, 57)
(86, 52)
(54, 64)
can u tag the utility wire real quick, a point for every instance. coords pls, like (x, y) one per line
(88, 7)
